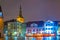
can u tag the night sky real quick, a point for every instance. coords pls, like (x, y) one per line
(33, 10)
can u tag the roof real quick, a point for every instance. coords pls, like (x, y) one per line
(12, 20)
(38, 23)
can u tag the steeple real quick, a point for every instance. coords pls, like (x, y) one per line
(20, 12)
(20, 18)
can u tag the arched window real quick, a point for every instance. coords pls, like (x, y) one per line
(49, 23)
(34, 25)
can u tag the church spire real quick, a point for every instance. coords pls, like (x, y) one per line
(20, 18)
(20, 12)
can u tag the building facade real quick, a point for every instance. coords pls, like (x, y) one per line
(33, 30)
(40, 30)
(58, 31)
(50, 29)
(16, 28)
(1, 23)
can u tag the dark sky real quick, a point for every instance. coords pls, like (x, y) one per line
(33, 10)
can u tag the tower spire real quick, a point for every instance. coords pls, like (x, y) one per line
(20, 18)
(20, 13)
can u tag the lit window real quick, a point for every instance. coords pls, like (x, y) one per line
(34, 25)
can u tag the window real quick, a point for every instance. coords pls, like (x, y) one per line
(34, 25)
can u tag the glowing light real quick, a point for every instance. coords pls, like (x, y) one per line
(19, 19)
(58, 33)
(6, 38)
(6, 32)
(41, 31)
(33, 38)
(1, 14)
(15, 38)
(14, 33)
(48, 31)
(34, 25)
(49, 27)
(50, 21)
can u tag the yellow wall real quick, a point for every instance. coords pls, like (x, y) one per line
(1, 26)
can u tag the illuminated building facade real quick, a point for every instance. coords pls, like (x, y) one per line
(16, 28)
(39, 30)
(1, 23)
(50, 29)
(58, 31)
(34, 29)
